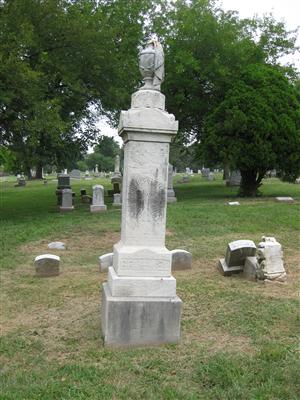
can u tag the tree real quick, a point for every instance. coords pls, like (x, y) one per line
(104, 154)
(256, 127)
(60, 61)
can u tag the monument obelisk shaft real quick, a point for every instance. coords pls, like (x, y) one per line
(139, 303)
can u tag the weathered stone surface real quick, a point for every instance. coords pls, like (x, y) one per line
(57, 245)
(171, 198)
(285, 199)
(98, 199)
(140, 306)
(75, 174)
(234, 179)
(117, 200)
(211, 176)
(141, 286)
(250, 268)
(205, 172)
(139, 321)
(236, 254)
(270, 259)
(46, 265)
(181, 260)
(105, 261)
(67, 201)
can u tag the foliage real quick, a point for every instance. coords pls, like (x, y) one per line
(104, 154)
(257, 127)
(59, 62)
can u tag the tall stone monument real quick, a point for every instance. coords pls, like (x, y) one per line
(139, 301)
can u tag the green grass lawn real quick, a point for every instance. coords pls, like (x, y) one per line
(240, 339)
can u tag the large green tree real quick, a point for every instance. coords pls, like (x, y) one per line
(62, 62)
(256, 127)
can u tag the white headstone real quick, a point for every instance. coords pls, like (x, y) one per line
(98, 199)
(270, 259)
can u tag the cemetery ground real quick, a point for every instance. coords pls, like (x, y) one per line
(239, 339)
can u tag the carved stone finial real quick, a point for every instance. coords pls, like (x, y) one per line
(151, 63)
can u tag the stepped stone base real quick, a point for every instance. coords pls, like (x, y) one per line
(139, 321)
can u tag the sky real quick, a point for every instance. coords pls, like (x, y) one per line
(287, 11)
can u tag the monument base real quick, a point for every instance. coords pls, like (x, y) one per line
(139, 321)
(227, 271)
(98, 208)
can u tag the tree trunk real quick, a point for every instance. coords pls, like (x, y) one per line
(39, 172)
(226, 172)
(251, 181)
(28, 173)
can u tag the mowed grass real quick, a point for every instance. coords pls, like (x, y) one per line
(240, 339)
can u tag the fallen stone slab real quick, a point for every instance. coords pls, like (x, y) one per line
(233, 203)
(46, 265)
(236, 254)
(57, 245)
(285, 199)
(181, 260)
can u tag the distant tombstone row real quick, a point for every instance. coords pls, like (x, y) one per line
(262, 263)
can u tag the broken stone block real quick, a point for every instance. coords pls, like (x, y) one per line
(250, 268)
(236, 254)
(270, 259)
(57, 246)
(233, 203)
(285, 199)
(46, 265)
(181, 259)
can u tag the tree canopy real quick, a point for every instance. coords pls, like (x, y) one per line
(256, 127)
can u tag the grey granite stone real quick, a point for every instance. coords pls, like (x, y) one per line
(236, 254)
(250, 268)
(46, 265)
(181, 259)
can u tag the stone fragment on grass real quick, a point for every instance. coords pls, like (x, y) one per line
(233, 203)
(57, 245)
(285, 199)
(105, 261)
(236, 254)
(250, 268)
(46, 265)
(181, 260)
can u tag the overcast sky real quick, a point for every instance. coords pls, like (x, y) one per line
(283, 10)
